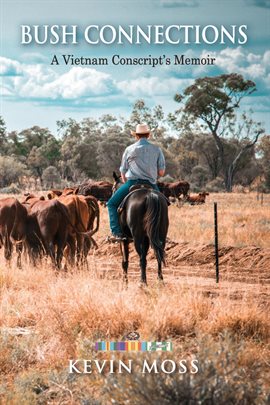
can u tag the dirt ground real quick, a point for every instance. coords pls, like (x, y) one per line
(244, 272)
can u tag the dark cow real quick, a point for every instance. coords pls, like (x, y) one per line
(101, 190)
(175, 189)
(13, 217)
(47, 230)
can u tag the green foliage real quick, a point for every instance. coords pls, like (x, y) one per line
(12, 189)
(11, 171)
(92, 148)
(214, 102)
(51, 177)
(264, 159)
(215, 185)
(3, 136)
(199, 176)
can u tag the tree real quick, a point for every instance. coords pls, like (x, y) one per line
(153, 117)
(51, 176)
(36, 162)
(207, 153)
(79, 148)
(264, 158)
(199, 176)
(3, 136)
(213, 101)
(110, 151)
(11, 171)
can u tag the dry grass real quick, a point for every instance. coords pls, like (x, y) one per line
(65, 314)
(243, 221)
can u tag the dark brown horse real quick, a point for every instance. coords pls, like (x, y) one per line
(144, 219)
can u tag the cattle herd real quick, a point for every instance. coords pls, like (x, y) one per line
(63, 223)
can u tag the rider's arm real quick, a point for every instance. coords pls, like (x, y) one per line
(161, 164)
(123, 177)
(124, 166)
(161, 172)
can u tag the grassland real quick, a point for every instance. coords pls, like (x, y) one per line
(47, 319)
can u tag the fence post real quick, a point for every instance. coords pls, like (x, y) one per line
(216, 241)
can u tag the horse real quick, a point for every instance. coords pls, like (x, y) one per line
(143, 220)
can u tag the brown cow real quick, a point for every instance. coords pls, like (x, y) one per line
(175, 189)
(54, 194)
(197, 199)
(57, 193)
(94, 213)
(31, 199)
(82, 212)
(13, 217)
(47, 229)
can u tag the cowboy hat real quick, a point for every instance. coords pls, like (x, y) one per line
(141, 129)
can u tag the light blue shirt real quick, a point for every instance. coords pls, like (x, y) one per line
(142, 160)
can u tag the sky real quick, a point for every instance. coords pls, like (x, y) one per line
(34, 92)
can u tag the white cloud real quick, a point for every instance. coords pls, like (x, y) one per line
(9, 67)
(39, 81)
(83, 86)
(253, 66)
(152, 86)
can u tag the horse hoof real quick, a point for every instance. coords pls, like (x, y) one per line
(143, 285)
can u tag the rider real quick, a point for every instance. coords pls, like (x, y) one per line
(142, 162)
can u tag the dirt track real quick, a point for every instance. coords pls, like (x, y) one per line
(244, 271)
(249, 264)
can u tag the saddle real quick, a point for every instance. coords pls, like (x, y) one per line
(137, 187)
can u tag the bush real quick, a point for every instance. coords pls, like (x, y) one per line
(12, 189)
(199, 176)
(11, 170)
(54, 387)
(51, 176)
(216, 185)
(221, 380)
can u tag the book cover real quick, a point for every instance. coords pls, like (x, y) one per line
(176, 310)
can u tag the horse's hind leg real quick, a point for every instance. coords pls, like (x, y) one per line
(160, 275)
(19, 249)
(8, 248)
(125, 253)
(142, 249)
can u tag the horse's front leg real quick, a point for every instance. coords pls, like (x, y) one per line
(125, 254)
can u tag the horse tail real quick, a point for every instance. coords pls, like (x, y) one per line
(152, 223)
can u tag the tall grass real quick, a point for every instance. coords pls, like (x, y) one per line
(48, 318)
